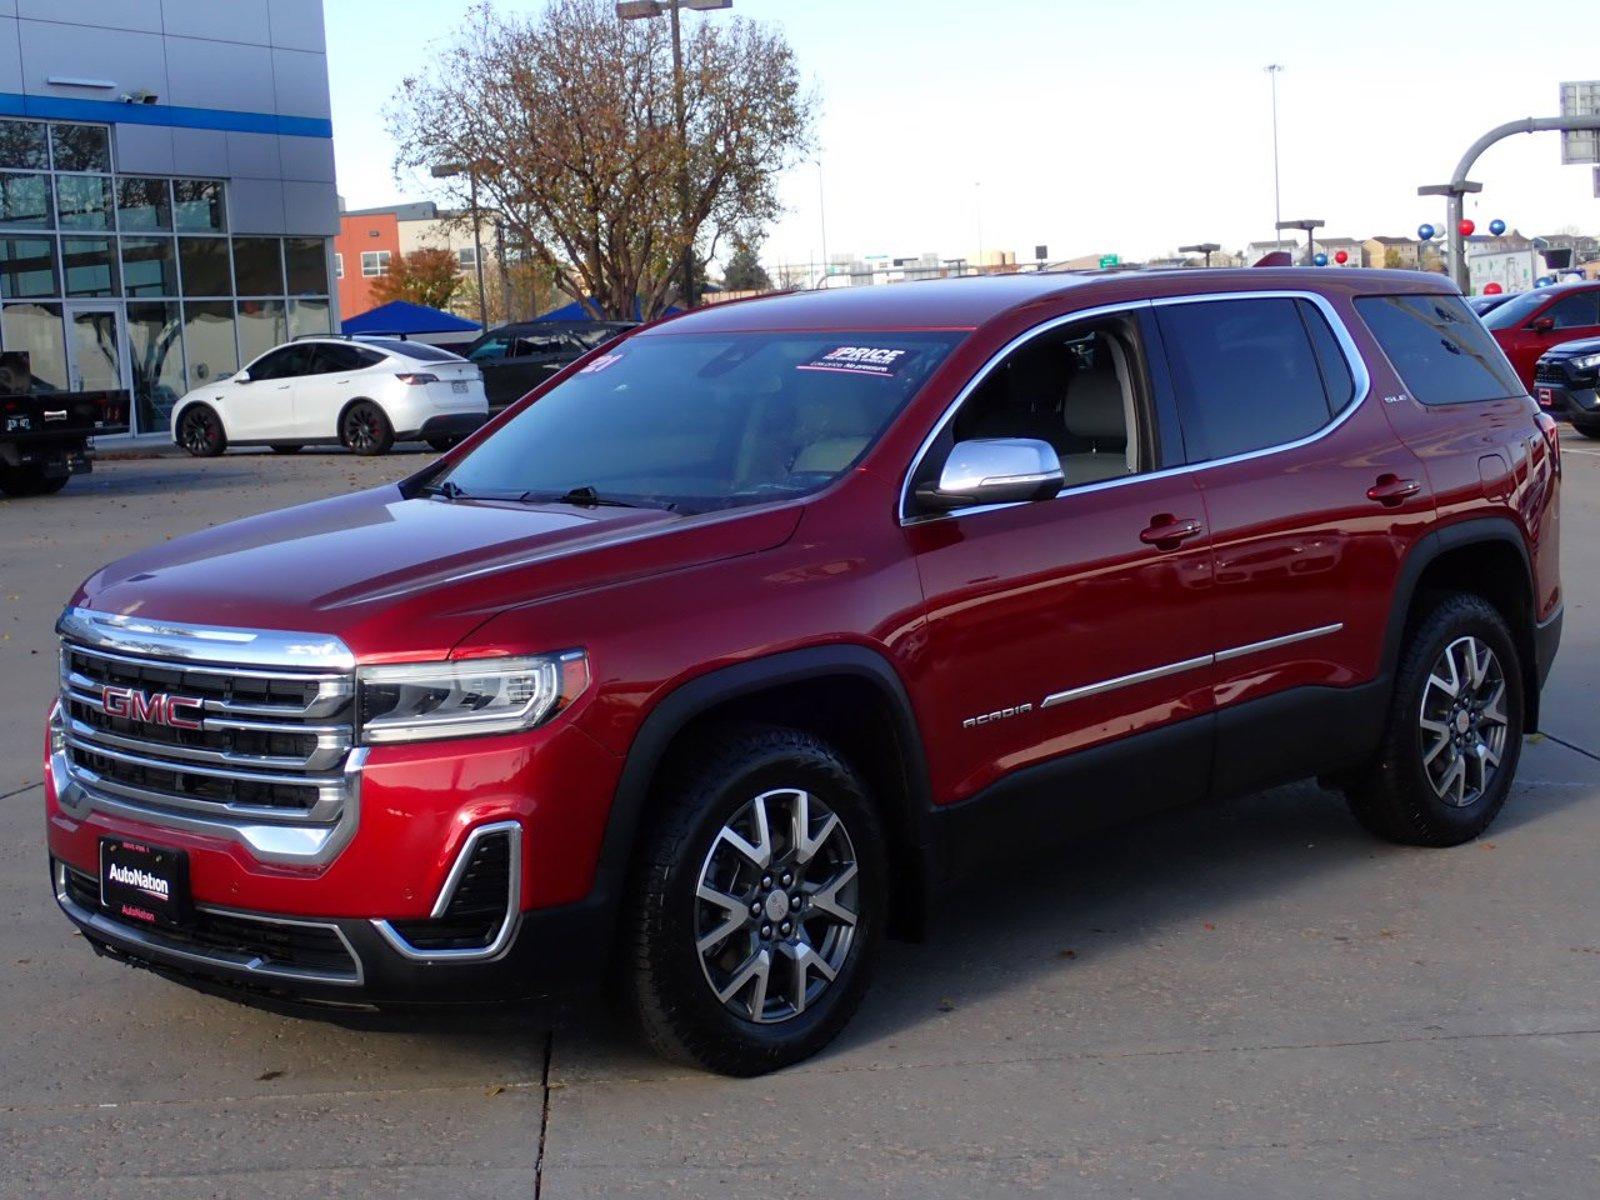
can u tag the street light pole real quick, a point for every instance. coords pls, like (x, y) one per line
(445, 171)
(1273, 71)
(633, 10)
(822, 219)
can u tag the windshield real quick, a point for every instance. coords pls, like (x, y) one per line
(1516, 310)
(705, 421)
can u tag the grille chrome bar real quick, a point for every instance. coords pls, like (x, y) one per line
(269, 759)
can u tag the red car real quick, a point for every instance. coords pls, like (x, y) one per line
(1530, 323)
(714, 659)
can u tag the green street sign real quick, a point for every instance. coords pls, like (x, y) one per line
(1110, 260)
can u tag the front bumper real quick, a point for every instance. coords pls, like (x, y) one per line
(1568, 400)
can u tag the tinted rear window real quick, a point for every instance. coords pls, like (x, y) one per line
(417, 350)
(1247, 373)
(1441, 350)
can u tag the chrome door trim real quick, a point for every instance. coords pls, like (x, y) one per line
(1360, 378)
(1287, 639)
(1188, 664)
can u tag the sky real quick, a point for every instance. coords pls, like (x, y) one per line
(1096, 126)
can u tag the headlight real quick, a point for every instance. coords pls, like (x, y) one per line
(1587, 363)
(410, 702)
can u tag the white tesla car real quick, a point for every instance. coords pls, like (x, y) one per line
(364, 393)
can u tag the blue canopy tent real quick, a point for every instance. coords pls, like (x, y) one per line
(414, 320)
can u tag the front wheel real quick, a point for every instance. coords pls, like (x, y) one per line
(200, 432)
(365, 430)
(756, 912)
(1589, 429)
(29, 481)
(1454, 730)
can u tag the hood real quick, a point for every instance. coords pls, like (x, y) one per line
(1575, 349)
(406, 578)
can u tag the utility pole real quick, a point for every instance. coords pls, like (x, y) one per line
(1273, 71)
(634, 10)
(446, 171)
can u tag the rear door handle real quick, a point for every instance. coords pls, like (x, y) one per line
(1166, 531)
(1391, 490)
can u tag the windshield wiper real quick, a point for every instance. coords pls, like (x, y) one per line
(586, 496)
(449, 489)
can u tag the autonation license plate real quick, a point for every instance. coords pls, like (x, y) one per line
(458, 385)
(1546, 397)
(144, 883)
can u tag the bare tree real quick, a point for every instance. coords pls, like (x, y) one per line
(566, 119)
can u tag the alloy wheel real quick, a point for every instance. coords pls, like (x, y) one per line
(1463, 721)
(198, 434)
(776, 906)
(361, 430)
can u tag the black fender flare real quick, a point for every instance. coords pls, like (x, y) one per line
(673, 713)
(1428, 549)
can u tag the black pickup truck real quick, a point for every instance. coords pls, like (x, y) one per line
(517, 358)
(44, 434)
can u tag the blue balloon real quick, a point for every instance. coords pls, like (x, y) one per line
(1497, 227)
(1321, 259)
(1425, 232)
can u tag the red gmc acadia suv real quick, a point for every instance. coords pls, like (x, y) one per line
(713, 659)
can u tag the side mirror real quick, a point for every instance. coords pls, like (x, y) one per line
(1543, 325)
(241, 377)
(994, 471)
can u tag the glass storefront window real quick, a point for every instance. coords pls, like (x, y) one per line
(258, 266)
(37, 329)
(261, 327)
(208, 337)
(307, 259)
(81, 147)
(143, 204)
(89, 267)
(23, 146)
(155, 343)
(27, 267)
(309, 316)
(25, 200)
(205, 266)
(149, 266)
(197, 206)
(83, 201)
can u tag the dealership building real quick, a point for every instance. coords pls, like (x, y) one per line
(167, 198)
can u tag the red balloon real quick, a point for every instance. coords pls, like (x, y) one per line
(1466, 227)
(1341, 257)
(1492, 289)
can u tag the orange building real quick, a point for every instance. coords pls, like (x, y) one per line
(367, 243)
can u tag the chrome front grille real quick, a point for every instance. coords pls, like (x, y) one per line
(152, 729)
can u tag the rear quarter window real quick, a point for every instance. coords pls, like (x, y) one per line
(1440, 349)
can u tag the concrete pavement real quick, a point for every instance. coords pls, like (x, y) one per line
(1251, 1000)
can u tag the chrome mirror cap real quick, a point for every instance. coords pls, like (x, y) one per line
(994, 471)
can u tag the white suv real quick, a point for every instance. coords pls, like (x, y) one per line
(363, 393)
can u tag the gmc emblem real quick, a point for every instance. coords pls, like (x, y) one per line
(159, 709)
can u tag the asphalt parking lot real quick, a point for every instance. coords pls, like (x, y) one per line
(1251, 1000)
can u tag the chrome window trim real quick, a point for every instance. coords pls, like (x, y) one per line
(152, 942)
(501, 942)
(1188, 664)
(209, 645)
(1360, 376)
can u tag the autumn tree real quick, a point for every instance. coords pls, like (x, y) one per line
(427, 276)
(744, 272)
(566, 119)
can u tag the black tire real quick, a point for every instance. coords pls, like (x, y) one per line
(443, 442)
(1589, 429)
(364, 429)
(29, 481)
(1395, 795)
(200, 431)
(667, 988)
(287, 447)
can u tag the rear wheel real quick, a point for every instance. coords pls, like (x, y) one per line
(757, 908)
(1589, 429)
(200, 432)
(287, 448)
(365, 430)
(1454, 733)
(29, 481)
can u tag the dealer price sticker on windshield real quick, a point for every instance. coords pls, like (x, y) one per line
(885, 362)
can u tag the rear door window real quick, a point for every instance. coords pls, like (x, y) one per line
(1248, 375)
(1577, 311)
(1441, 351)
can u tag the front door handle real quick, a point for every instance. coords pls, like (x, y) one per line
(1167, 532)
(1391, 490)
